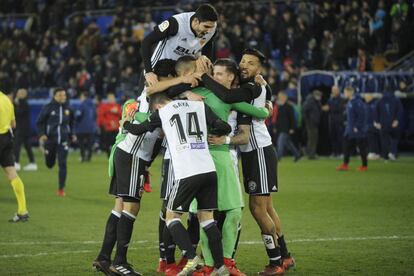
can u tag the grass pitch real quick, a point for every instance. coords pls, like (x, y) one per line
(335, 223)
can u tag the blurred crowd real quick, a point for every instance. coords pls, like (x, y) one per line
(75, 53)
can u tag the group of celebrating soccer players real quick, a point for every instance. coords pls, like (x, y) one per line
(203, 115)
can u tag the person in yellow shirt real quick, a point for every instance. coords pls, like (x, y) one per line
(7, 122)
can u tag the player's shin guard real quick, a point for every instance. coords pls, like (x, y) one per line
(124, 233)
(193, 229)
(272, 249)
(229, 231)
(169, 246)
(283, 248)
(161, 226)
(181, 238)
(18, 189)
(109, 237)
(214, 241)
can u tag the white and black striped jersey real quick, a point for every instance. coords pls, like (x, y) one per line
(143, 102)
(259, 135)
(184, 43)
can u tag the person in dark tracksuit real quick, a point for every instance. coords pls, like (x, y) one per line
(373, 133)
(356, 129)
(312, 116)
(336, 121)
(85, 126)
(54, 124)
(23, 130)
(285, 126)
(387, 116)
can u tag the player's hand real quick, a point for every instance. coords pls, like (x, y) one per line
(190, 79)
(204, 65)
(151, 78)
(42, 139)
(191, 96)
(269, 107)
(216, 140)
(394, 124)
(377, 125)
(260, 80)
(74, 138)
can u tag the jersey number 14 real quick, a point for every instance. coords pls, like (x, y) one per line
(193, 127)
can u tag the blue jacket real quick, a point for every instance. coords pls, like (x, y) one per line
(336, 110)
(356, 111)
(389, 108)
(371, 111)
(55, 121)
(85, 117)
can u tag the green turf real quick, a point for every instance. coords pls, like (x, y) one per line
(336, 223)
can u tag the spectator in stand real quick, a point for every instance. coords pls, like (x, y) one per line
(85, 126)
(373, 133)
(387, 121)
(285, 127)
(377, 28)
(109, 114)
(336, 120)
(355, 130)
(23, 130)
(129, 82)
(311, 116)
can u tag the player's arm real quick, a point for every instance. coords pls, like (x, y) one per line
(42, 121)
(259, 113)
(217, 125)
(160, 32)
(150, 124)
(242, 136)
(188, 81)
(245, 93)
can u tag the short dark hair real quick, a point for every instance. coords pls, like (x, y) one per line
(256, 53)
(206, 12)
(58, 89)
(165, 67)
(158, 98)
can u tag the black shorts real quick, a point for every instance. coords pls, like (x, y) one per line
(6, 150)
(128, 179)
(260, 171)
(167, 178)
(202, 187)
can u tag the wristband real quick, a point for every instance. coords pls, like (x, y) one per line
(228, 140)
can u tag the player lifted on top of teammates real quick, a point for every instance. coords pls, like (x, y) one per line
(186, 125)
(183, 34)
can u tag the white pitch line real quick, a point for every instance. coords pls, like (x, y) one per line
(145, 241)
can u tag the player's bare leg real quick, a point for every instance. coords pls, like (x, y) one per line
(258, 207)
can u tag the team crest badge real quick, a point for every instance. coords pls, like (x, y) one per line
(252, 186)
(164, 25)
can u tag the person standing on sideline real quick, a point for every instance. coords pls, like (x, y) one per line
(336, 108)
(387, 121)
(311, 116)
(7, 122)
(285, 126)
(373, 133)
(54, 125)
(85, 126)
(355, 130)
(109, 114)
(23, 129)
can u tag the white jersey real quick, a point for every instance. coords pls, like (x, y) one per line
(185, 127)
(184, 43)
(259, 135)
(143, 102)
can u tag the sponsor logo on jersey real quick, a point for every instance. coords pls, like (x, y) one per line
(198, 145)
(182, 147)
(164, 25)
(181, 51)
